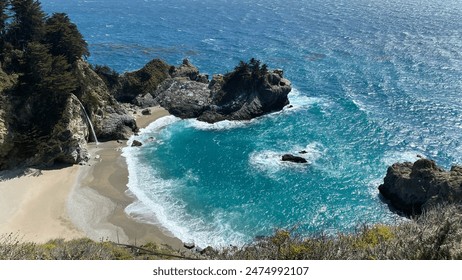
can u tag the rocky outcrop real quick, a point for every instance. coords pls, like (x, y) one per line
(111, 121)
(41, 129)
(292, 158)
(184, 98)
(68, 140)
(248, 92)
(136, 87)
(413, 187)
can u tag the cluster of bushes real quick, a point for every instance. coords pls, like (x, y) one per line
(435, 235)
(12, 248)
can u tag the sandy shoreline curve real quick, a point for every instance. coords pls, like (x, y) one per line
(78, 201)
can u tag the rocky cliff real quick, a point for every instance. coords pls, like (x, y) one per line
(249, 91)
(413, 187)
(44, 129)
(110, 119)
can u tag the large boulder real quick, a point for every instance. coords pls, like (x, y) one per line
(413, 187)
(292, 158)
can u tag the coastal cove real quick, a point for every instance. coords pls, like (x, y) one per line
(260, 128)
(78, 201)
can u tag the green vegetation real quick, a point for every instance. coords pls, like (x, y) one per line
(11, 248)
(435, 235)
(38, 54)
(246, 76)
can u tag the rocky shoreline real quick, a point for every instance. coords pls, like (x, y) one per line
(107, 100)
(412, 188)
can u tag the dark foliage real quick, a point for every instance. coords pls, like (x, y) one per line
(246, 77)
(28, 23)
(39, 52)
(107, 74)
(64, 38)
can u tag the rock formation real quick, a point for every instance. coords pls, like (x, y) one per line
(249, 91)
(413, 187)
(246, 93)
(34, 133)
(110, 119)
(292, 158)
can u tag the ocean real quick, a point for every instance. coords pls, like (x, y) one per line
(374, 82)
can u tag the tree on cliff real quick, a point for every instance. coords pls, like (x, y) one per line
(45, 73)
(28, 23)
(64, 38)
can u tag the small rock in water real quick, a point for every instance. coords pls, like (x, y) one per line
(303, 152)
(189, 245)
(292, 158)
(137, 143)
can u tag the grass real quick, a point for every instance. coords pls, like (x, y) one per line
(434, 235)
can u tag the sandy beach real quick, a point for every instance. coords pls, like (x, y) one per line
(78, 201)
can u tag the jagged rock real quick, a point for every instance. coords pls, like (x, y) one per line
(292, 158)
(141, 82)
(184, 98)
(413, 187)
(67, 142)
(146, 112)
(237, 95)
(117, 126)
(110, 120)
(303, 152)
(137, 143)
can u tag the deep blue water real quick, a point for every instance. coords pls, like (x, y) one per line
(375, 82)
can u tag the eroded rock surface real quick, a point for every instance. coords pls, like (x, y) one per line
(413, 187)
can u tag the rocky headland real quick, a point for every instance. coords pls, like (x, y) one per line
(414, 187)
(107, 101)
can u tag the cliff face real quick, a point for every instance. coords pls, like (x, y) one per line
(413, 187)
(109, 118)
(67, 142)
(42, 129)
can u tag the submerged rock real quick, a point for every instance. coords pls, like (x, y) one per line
(292, 158)
(413, 187)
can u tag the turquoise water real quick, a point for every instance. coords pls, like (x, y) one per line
(375, 82)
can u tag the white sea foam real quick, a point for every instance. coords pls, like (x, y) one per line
(269, 161)
(146, 134)
(397, 156)
(221, 125)
(155, 202)
(300, 101)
